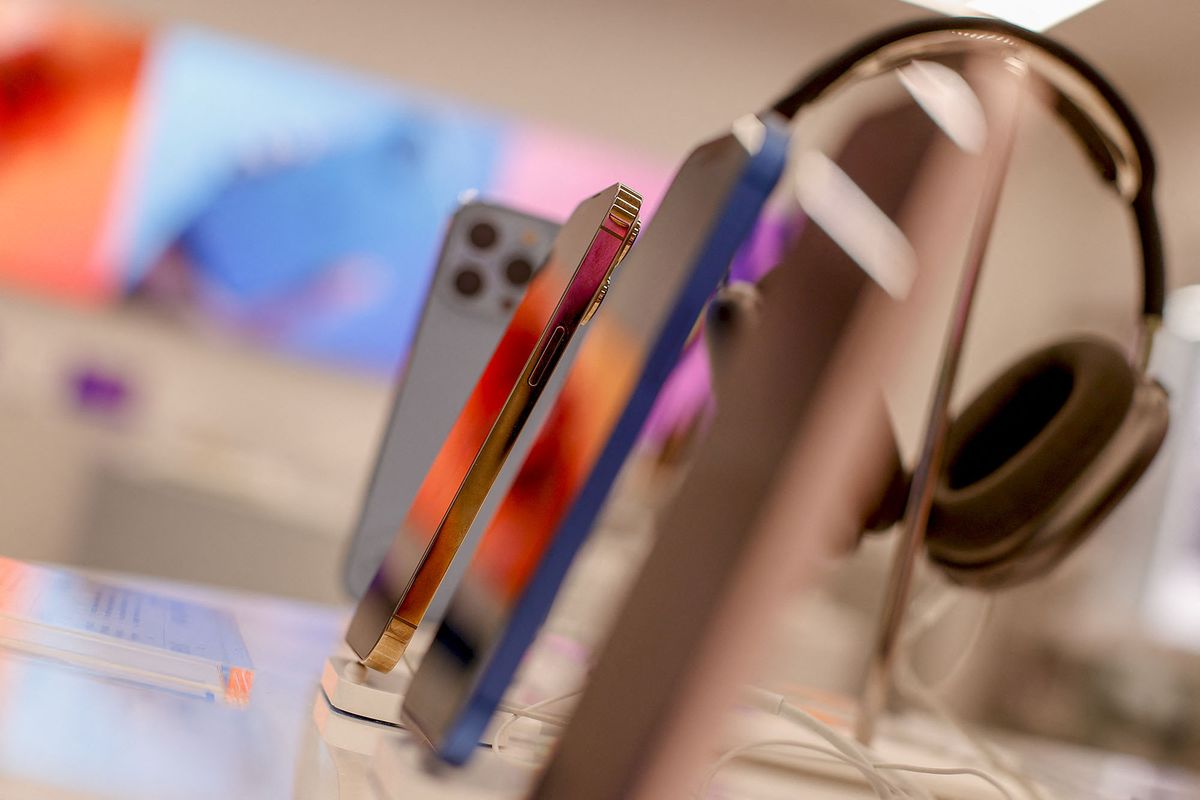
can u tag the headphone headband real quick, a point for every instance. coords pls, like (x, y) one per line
(939, 37)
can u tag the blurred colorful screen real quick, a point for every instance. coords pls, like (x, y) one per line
(237, 188)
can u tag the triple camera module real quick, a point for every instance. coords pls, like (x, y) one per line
(470, 280)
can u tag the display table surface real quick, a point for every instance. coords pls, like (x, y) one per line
(66, 732)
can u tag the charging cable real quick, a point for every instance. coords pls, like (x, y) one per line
(846, 750)
(532, 711)
(885, 778)
(913, 689)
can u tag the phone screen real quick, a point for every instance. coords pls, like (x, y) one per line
(566, 281)
(627, 353)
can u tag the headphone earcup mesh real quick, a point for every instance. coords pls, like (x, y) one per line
(1020, 445)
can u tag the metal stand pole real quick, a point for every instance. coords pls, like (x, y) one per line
(920, 497)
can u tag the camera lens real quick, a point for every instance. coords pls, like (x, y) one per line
(518, 271)
(468, 282)
(482, 235)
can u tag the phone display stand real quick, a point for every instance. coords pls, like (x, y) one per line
(353, 689)
(358, 707)
(361, 700)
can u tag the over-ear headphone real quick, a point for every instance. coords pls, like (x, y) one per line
(1055, 441)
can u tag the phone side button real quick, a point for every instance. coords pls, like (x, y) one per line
(553, 345)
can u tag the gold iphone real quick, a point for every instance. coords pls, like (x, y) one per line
(561, 298)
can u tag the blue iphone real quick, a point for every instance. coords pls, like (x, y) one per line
(633, 343)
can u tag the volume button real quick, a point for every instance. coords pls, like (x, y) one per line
(553, 345)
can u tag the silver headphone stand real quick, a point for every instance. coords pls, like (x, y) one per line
(1007, 96)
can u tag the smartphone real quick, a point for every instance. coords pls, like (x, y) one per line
(561, 298)
(775, 492)
(636, 340)
(489, 255)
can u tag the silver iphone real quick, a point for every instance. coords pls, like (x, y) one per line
(488, 257)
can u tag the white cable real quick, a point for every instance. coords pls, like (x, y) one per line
(850, 752)
(843, 748)
(777, 705)
(911, 687)
(868, 772)
(978, 773)
(964, 655)
(814, 703)
(934, 613)
(529, 712)
(840, 742)
(558, 720)
(926, 618)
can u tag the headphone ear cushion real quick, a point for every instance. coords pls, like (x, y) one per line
(1020, 445)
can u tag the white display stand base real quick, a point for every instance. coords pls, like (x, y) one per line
(353, 689)
(361, 705)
